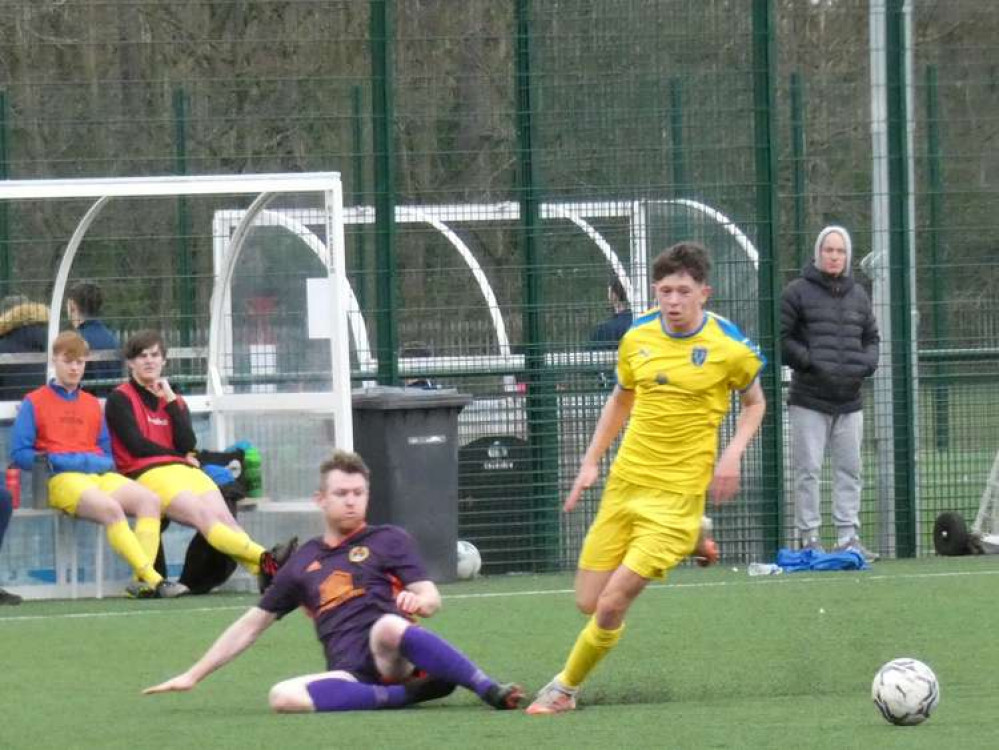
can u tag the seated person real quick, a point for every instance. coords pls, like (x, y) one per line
(153, 442)
(23, 330)
(6, 508)
(608, 333)
(65, 423)
(83, 308)
(419, 351)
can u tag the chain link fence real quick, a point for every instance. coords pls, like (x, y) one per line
(504, 163)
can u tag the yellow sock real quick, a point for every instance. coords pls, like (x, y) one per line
(237, 544)
(591, 646)
(123, 541)
(147, 531)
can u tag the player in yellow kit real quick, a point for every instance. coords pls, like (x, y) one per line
(677, 366)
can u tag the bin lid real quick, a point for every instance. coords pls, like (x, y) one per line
(385, 397)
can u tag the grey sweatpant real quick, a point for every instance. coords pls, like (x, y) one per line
(812, 432)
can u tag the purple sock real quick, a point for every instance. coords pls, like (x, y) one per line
(331, 694)
(440, 659)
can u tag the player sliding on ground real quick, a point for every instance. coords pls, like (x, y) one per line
(362, 585)
(676, 368)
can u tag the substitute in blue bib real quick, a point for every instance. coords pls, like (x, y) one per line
(677, 367)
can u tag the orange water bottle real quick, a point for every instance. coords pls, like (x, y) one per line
(13, 481)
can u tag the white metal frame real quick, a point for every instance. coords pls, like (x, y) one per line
(442, 217)
(220, 401)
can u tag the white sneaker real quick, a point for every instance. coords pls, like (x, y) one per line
(855, 545)
(553, 698)
(171, 589)
(813, 543)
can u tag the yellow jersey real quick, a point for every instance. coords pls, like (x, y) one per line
(683, 385)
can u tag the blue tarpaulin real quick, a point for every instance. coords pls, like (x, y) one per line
(808, 559)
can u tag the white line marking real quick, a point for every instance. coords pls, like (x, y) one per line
(94, 615)
(859, 577)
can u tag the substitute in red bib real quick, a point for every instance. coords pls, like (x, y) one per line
(153, 442)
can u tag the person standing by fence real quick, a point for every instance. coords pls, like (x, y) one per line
(830, 340)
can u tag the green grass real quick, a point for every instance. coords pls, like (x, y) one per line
(714, 660)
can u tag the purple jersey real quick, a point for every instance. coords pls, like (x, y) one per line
(346, 588)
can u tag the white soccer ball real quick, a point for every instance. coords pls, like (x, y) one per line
(905, 691)
(469, 560)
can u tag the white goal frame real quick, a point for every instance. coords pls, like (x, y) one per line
(220, 402)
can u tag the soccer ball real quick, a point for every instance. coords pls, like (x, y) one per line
(905, 691)
(469, 560)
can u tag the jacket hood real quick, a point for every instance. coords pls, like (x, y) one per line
(24, 314)
(848, 270)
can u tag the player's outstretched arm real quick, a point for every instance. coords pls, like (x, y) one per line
(612, 418)
(237, 638)
(420, 598)
(725, 483)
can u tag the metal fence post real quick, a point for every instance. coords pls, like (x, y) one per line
(542, 410)
(903, 362)
(772, 437)
(382, 44)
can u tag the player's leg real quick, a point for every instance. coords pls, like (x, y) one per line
(706, 552)
(594, 642)
(6, 509)
(605, 545)
(589, 585)
(80, 495)
(664, 530)
(190, 497)
(338, 691)
(140, 503)
(604, 549)
(398, 645)
(809, 432)
(844, 453)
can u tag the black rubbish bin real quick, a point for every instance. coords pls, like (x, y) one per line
(409, 439)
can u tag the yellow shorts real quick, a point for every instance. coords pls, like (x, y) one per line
(648, 530)
(170, 480)
(65, 488)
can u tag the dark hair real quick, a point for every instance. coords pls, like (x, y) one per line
(617, 289)
(345, 461)
(88, 299)
(691, 257)
(71, 344)
(141, 341)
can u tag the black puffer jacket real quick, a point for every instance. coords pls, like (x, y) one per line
(830, 340)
